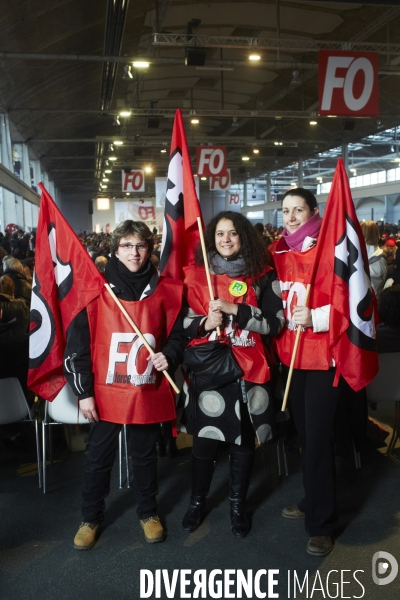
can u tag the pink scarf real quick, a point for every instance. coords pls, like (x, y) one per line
(309, 229)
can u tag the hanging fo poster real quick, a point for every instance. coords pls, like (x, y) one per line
(144, 211)
(348, 83)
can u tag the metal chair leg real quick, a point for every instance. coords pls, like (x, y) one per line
(128, 483)
(120, 458)
(38, 453)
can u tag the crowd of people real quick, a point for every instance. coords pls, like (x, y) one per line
(235, 403)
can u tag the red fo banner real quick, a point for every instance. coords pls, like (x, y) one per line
(341, 251)
(180, 231)
(64, 282)
(348, 83)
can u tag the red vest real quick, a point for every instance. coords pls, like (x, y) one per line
(247, 346)
(293, 270)
(127, 387)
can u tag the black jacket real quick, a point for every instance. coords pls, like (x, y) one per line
(23, 289)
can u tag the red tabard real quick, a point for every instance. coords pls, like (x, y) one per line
(247, 346)
(127, 387)
(293, 270)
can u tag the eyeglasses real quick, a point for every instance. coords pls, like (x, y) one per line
(139, 247)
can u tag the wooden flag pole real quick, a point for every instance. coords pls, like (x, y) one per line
(139, 333)
(294, 353)
(205, 257)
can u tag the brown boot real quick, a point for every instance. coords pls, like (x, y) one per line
(293, 512)
(85, 538)
(153, 530)
(319, 545)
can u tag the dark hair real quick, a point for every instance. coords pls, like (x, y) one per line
(256, 256)
(129, 228)
(259, 227)
(389, 306)
(307, 196)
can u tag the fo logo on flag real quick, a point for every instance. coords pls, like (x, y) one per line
(348, 83)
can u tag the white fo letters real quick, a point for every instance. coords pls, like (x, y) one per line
(130, 359)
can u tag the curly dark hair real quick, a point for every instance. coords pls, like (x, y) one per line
(255, 254)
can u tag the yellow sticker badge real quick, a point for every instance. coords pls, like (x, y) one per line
(238, 288)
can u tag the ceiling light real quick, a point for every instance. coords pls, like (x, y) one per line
(194, 121)
(125, 113)
(203, 178)
(141, 64)
(105, 179)
(116, 121)
(108, 171)
(319, 179)
(148, 169)
(245, 158)
(111, 147)
(118, 143)
(112, 158)
(127, 194)
(103, 203)
(127, 72)
(278, 143)
(295, 77)
(163, 150)
(294, 184)
(313, 123)
(256, 151)
(254, 57)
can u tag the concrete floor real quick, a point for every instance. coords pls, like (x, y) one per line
(37, 559)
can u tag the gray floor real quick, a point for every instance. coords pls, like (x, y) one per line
(37, 559)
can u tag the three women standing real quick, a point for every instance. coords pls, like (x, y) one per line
(247, 308)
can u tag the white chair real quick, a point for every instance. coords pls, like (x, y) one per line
(64, 409)
(14, 408)
(385, 387)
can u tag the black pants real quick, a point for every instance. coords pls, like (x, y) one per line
(313, 401)
(101, 451)
(207, 447)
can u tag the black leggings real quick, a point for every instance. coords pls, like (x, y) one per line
(207, 447)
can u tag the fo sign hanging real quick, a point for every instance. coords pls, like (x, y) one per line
(348, 83)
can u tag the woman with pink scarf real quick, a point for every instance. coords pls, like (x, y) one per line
(312, 397)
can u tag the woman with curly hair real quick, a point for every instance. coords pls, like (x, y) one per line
(247, 307)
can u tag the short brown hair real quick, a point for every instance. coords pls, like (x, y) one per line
(129, 228)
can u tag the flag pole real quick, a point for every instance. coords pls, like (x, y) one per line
(294, 354)
(139, 333)
(205, 258)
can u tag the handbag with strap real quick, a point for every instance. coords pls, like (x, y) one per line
(211, 366)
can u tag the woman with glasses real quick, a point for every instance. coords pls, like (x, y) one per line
(247, 308)
(116, 380)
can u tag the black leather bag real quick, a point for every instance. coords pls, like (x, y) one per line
(212, 365)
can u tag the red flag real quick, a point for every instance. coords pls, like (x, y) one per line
(180, 231)
(64, 282)
(341, 251)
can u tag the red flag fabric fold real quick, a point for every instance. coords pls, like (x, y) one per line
(341, 252)
(65, 281)
(182, 208)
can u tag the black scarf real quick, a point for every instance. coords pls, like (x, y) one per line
(127, 285)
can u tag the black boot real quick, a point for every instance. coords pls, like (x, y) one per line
(241, 465)
(202, 473)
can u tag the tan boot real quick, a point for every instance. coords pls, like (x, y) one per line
(85, 538)
(153, 530)
(293, 512)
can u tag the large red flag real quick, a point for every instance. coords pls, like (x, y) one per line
(341, 251)
(64, 282)
(180, 231)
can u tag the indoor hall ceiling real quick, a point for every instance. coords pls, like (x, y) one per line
(62, 89)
